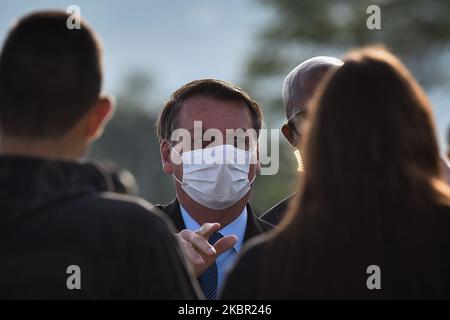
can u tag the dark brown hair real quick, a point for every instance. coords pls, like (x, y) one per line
(49, 75)
(212, 88)
(370, 192)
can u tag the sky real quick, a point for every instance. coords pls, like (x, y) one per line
(176, 41)
(173, 41)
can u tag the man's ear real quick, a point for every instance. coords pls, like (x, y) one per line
(288, 134)
(99, 117)
(165, 151)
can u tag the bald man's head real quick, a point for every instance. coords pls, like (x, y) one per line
(303, 80)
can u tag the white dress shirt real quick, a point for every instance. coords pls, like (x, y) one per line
(225, 260)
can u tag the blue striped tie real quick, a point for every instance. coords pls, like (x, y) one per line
(208, 279)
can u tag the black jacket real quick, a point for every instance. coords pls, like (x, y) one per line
(56, 214)
(255, 226)
(275, 214)
(415, 265)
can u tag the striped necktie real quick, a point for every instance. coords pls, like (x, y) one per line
(208, 279)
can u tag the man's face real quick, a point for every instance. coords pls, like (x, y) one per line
(213, 114)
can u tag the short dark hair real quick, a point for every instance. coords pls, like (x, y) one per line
(211, 88)
(49, 75)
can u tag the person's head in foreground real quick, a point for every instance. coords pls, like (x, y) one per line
(50, 82)
(372, 214)
(64, 236)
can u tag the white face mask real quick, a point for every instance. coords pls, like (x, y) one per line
(216, 185)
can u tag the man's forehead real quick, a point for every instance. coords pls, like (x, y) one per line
(214, 113)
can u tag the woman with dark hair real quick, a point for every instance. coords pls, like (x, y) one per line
(372, 216)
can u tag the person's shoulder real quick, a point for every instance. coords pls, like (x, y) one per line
(245, 278)
(251, 258)
(116, 203)
(275, 214)
(112, 209)
(255, 249)
(443, 208)
(437, 211)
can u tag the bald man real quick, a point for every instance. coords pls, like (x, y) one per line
(298, 89)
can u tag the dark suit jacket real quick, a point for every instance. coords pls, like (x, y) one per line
(275, 214)
(255, 226)
(416, 265)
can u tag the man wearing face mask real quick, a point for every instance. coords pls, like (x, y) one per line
(211, 209)
(298, 89)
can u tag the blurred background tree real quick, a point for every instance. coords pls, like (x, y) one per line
(418, 31)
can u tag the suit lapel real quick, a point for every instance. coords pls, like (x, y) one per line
(172, 210)
(255, 226)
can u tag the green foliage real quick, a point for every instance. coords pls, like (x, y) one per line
(417, 30)
(130, 141)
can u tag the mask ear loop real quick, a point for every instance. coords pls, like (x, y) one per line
(175, 150)
(181, 183)
(252, 154)
(181, 157)
(253, 180)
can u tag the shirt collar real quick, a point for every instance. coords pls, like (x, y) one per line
(237, 227)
